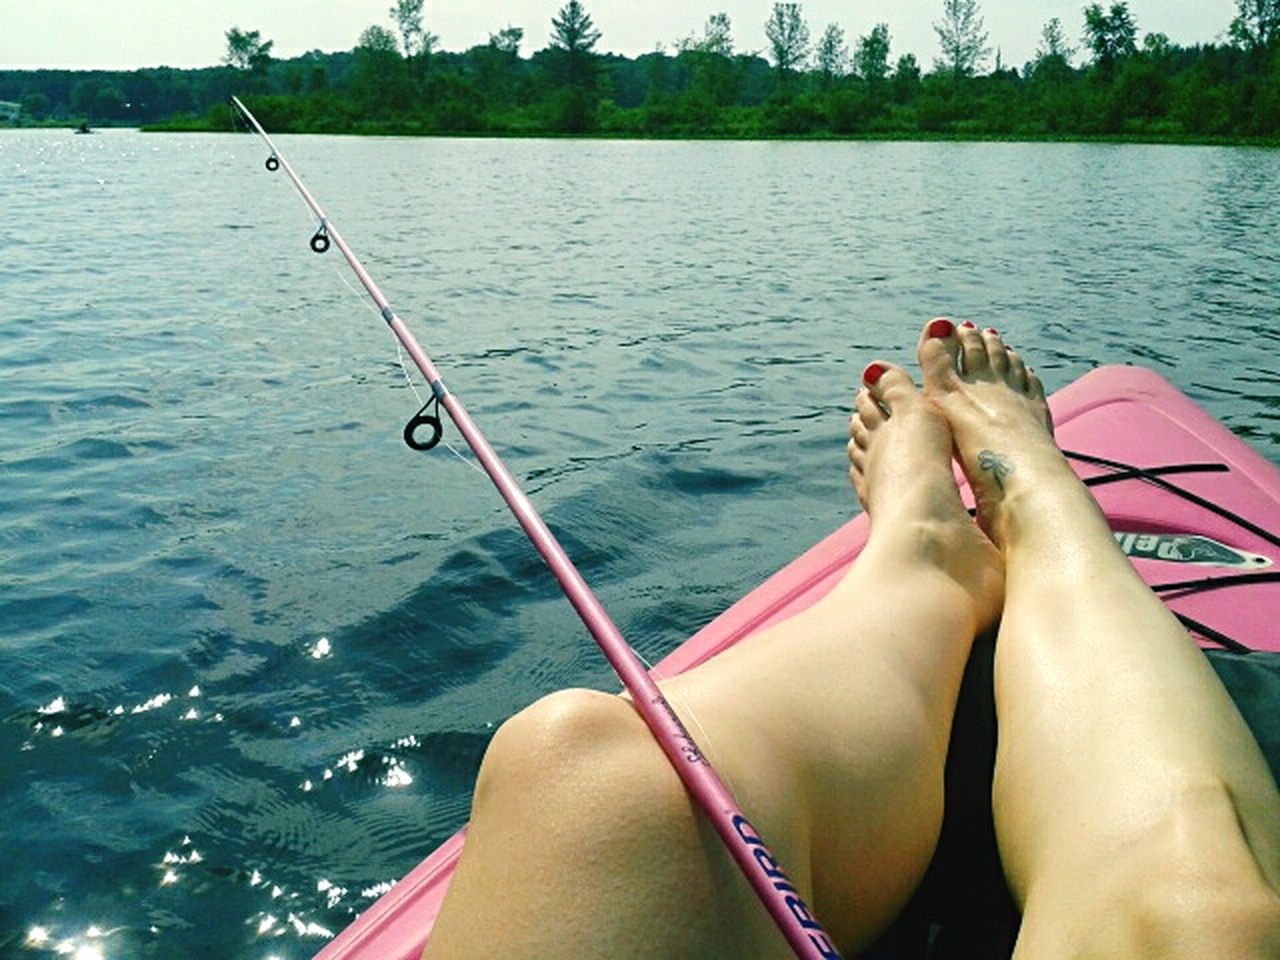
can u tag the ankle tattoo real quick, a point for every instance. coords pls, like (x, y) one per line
(997, 465)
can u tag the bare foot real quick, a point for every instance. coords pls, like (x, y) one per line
(998, 416)
(900, 464)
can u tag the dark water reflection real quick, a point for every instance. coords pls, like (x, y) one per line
(252, 649)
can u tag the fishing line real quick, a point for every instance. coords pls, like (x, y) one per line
(408, 379)
(354, 292)
(705, 737)
(742, 841)
(443, 440)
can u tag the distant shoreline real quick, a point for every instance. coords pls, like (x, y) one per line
(393, 130)
(1210, 94)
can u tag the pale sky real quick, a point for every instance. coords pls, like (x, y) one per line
(122, 34)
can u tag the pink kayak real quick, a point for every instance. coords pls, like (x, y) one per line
(1193, 506)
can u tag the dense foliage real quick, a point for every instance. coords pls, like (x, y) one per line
(396, 81)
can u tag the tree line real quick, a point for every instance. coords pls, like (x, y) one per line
(1118, 81)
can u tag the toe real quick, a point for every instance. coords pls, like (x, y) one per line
(891, 386)
(867, 410)
(1035, 388)
(997, 355)
(1017, 375)
(857, 456)
(939, 352)
(859, 435)
(858, 471)
(973, 354)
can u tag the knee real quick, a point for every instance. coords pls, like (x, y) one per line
(560, 729)
(581, 742)
(1201, 892)
(1240, 920)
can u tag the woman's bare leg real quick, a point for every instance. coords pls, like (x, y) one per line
(1135, 813)
(831, 729)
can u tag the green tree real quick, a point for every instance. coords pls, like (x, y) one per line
(833, 54)
(1157, 46)
(1257, 24)
(497, 66)
(507, 40)
(1264, 115)
(788, 38)
(317, 78)
(871, 60)
(1111, 36)
(575, 36)
(712, 72)
(1052, 61)
(96, 99)
(81, 97)
(35, 105)
(109, 103)
(1201, 104)
(379, 40)
(380, 85)
(1141, 94)
(416, 40)
(407, 16)
(906, 78)
(456, 105)
(573, 41)
(246, 50)
(1053, 43)
(963, 38)
(717, 36)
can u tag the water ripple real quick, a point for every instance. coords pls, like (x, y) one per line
(223, 578)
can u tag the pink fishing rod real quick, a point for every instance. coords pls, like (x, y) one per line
(794, 919)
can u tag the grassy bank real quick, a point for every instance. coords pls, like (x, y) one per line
(416, 129)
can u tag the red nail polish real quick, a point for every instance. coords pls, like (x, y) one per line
(941, 329)
(993, 331)
(871, 376)
(968, 325)
(1009, 348)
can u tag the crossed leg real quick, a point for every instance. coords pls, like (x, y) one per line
(1135, 813)
(830, 728)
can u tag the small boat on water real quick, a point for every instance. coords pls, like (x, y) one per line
(1195, 508)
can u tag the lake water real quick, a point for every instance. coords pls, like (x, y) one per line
(252, 647)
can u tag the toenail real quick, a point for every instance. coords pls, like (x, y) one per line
(871, 376)
(993, 331)
(940, 329)
(968, 325)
